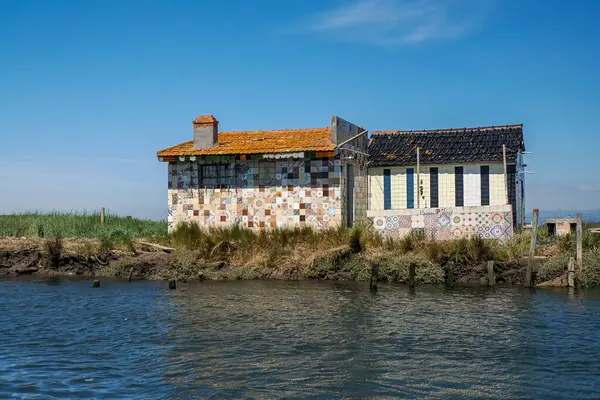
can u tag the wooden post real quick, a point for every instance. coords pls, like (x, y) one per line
(449, 274)
(374, 277)
(96, 284)
(505, 175)
(534, 225)
(130, 274)
(580, 242)
(418, 178)
(571, 273)
(490, 271)
(102, 215)
(411, 275)
(172, 284)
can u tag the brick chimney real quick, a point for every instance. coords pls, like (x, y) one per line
(206, 131)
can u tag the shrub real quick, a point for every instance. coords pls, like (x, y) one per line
(515, 247)
(558, 266)
(107, 244)
(411, 241)
(244, 273)
(553, 268)
(54, 247)
(591, 269)
(395, 268)
(436, 253)
(184, 264)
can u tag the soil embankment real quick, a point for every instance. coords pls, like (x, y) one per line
(76, 257)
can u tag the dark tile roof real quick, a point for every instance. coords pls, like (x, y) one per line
(446, 146)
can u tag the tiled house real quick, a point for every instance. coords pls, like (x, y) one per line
(456, 188)
(270, 178)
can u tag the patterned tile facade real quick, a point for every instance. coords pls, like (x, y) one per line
(258, 194)
(492, 222)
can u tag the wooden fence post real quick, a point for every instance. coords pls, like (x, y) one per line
(374, 277)
(449, 269)
(102, 215)
(490, 271)
(530, 265)
(411, 275)
(580, 242)
(571, 273)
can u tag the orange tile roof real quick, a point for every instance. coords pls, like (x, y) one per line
(257, 142)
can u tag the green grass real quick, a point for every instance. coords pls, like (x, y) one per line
(79, 226)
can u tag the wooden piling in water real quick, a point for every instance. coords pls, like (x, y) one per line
(96, 284)
(411, 275)
(571, 273)
(130, 275)
(490, 271)
(172, 284)
(102, 215)
(579, 243)
(374, 277)
(449, 274)
(531, 263)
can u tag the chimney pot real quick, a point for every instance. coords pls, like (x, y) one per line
(206, 132)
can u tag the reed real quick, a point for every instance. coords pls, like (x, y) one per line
(78, 225)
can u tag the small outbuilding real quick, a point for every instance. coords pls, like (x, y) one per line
(267, 179)
(447, 183)
(561, 226)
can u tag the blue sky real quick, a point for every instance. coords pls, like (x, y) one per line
(89, 91)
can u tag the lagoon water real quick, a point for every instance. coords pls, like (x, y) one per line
(61, 338)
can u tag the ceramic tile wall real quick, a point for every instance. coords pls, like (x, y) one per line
(491, 222)
(300, 193)
(472, 186)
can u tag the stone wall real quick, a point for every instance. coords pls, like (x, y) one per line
(488, 222)
(299, 193)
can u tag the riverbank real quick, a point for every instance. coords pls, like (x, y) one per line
(118, 249)
(81, 257)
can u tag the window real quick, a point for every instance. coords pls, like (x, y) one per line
(410, 188)
(433, 188)
(267, 173)
(387, 189)
(484, 174)
(214, 175)
(459, 188)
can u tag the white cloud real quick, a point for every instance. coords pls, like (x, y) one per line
(397, 22)
(590, 188)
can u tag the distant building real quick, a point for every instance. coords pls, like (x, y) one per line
(268, 179)
(456, 188)
(561, 226)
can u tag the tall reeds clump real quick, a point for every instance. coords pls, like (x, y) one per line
(276, 253)
(74, 225)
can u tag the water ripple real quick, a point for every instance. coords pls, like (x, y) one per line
(295, 340)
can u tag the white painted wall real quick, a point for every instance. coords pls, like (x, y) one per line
(446, 197)
(472, 185)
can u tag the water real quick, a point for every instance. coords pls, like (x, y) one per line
(220, 340)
